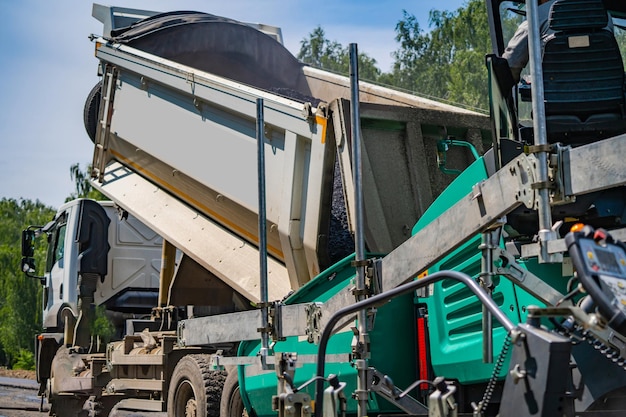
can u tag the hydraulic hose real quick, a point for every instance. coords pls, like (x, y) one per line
(387, 296)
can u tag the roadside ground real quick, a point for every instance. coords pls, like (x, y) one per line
(17, 373)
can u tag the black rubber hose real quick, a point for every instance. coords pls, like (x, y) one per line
(387, 296)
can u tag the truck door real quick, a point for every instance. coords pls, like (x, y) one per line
(53, 291)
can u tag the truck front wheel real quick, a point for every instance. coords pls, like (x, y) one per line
(232, 404)
(195, 389)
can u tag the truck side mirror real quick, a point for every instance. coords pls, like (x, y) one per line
(28, 243)
(28, 265)
(28, 252)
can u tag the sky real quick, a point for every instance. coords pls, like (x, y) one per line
(47, 68)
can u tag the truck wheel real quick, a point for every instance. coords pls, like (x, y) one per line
(195, 389)
(64, 405)
(92, 110)
(232, 404)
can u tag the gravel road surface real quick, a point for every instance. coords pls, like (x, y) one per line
(18, 398)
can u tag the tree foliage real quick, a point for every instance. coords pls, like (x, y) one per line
(20, 296)
(320, 52)
(447, 62)
(620, 37)
(83, 186)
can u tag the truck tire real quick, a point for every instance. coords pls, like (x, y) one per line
(91, 111)
(195, 389)
(231, 404)
(64, 405)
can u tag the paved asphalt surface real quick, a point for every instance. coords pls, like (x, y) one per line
(18, 398)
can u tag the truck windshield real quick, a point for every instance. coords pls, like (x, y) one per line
(56, 243)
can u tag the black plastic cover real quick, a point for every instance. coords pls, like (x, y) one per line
(93, 237)
(218, 45)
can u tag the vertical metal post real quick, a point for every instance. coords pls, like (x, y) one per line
(357, 168)
(486, 282)
(540, 131)
(355, 121)
(168, 258)
(260, 138)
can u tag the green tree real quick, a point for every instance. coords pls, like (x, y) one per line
(447, 62)
(20, 296)
(410, 64)
(320, 52)
(101, 328)
(25, 360)
(83, 186)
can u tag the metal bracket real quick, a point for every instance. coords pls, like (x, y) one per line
(215, 361)
(334, 398)
(358, 293)
(384, 386)
(524, 172)
(590, 322)
(313, 320)
(190, 78)
(269, 327)
(550, 185)
(510, 269)
(360, 345)
(307, 112)
(540, 148)
(558, 174)
(288, 402)
(489, 248)
(365, 292)
(296, 404)
(373, 281)
(275, 322)
(286, 366)
(322, 110)
(509, 266)
(364, 262)
(441, 401)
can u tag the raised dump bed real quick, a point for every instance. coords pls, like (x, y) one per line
(177, 128)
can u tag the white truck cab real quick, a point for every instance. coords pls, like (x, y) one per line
(99, 252)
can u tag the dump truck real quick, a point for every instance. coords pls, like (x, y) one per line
(350, 249)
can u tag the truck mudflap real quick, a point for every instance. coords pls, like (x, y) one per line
(46, 346)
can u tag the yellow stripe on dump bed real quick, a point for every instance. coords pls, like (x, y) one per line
(219, 218)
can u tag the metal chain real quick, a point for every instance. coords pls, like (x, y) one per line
(586, 335)
(610, 353)
(491, 385)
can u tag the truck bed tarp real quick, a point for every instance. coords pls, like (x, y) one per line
(220, 46)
